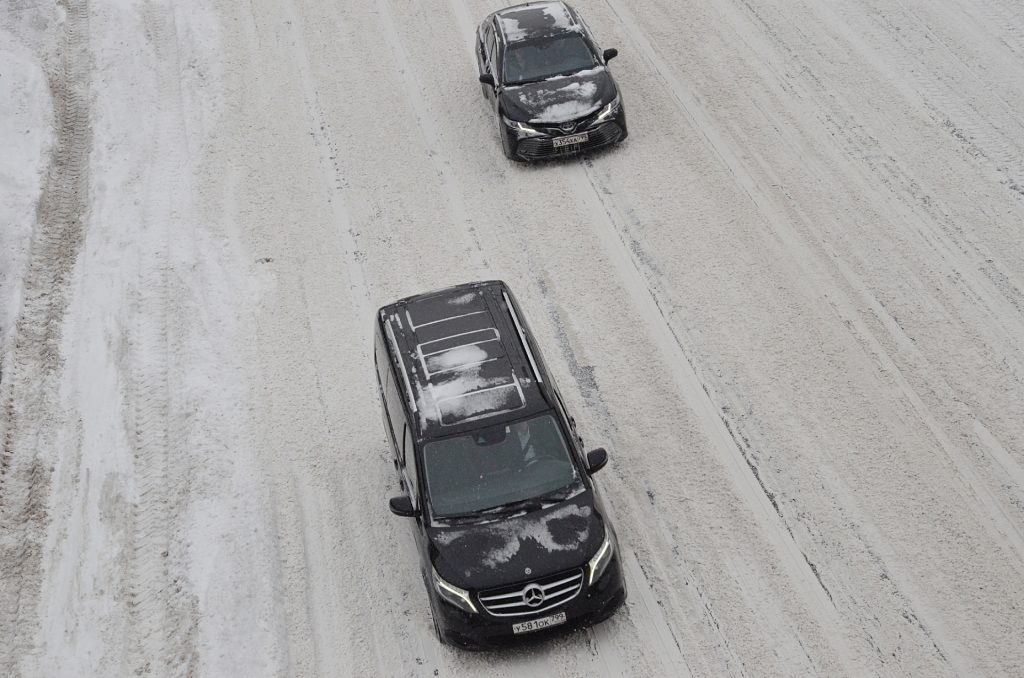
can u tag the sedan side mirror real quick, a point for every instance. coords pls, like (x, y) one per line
(487, 79)
(596, 459)
(610, 54)
(402, 506)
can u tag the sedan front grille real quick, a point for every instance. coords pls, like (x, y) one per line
(541, 147)
(545, 594)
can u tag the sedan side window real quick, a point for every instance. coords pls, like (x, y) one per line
(491, 47)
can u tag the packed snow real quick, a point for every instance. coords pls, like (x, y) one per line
(789, 305)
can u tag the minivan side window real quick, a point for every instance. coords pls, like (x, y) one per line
(409, 454)
(396, 416)
(380, 359)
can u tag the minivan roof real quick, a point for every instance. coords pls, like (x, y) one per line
(464, 358)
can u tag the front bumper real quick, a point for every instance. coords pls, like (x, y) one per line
(530, 148)
(484, 631)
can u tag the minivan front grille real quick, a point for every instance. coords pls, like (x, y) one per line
(533, 597)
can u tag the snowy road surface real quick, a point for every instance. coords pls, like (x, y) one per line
(791, 305)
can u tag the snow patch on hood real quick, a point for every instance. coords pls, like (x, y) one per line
(553, 104)
(510, 536)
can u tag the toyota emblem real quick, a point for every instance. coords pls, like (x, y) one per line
(568, 126)
(533, 595)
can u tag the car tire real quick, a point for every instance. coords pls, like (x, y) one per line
(437, 627)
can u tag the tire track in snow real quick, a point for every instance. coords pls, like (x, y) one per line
(746, 478)
(1002, 303)
(163, 610)
(441, 160)
(315, 653)
(694, 113)
(983, 280)
(29, 381)
(652, 620)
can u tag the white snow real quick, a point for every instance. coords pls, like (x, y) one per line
(789, 306)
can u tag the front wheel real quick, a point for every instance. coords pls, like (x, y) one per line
(437, 627)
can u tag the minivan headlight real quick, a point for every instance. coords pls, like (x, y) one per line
(453, 594)
(599, 563)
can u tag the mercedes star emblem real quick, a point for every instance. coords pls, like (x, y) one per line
(533, 595)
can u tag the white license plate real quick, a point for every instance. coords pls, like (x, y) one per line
(558, 142)
(538, 624)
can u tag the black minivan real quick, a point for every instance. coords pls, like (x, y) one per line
(512, 534)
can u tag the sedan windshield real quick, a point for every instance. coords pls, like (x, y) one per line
(537, 60)
(499, 467)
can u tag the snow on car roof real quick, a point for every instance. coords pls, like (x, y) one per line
(536, 20)
(460, 361)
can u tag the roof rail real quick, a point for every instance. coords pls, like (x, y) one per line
(522, 336)
(401, 363)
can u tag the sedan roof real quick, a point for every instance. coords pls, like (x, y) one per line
(535, 20)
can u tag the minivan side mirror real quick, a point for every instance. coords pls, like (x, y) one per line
(596, 459)
(487, 79)
(402, 506)
(610, 54)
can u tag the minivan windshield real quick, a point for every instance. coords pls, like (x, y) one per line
(499, 467)
(540, 59)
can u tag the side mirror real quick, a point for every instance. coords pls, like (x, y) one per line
(610, 54)
(402, 506)
(596, 459)
(487, 79)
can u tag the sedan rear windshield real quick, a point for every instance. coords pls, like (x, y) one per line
(540, 59)
(497, 466)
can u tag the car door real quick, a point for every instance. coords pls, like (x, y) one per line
(488, 54)
(411, 472)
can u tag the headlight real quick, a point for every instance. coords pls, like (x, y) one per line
(599, 562)
(522, 128)
(453, 594)
(609, 110)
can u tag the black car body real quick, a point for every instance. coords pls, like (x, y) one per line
(550, 86)
(512, 535)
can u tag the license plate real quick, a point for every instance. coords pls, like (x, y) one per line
(571, 140)
(538, 624)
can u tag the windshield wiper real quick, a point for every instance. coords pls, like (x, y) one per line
(531, 504)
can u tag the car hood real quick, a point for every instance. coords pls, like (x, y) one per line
(559, 99)
(484, 556)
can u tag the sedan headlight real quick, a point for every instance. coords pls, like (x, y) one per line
(599, 563)
(522, 128)
(453, 594)
(608, 111)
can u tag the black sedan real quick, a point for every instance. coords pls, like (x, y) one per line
(549, 84)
